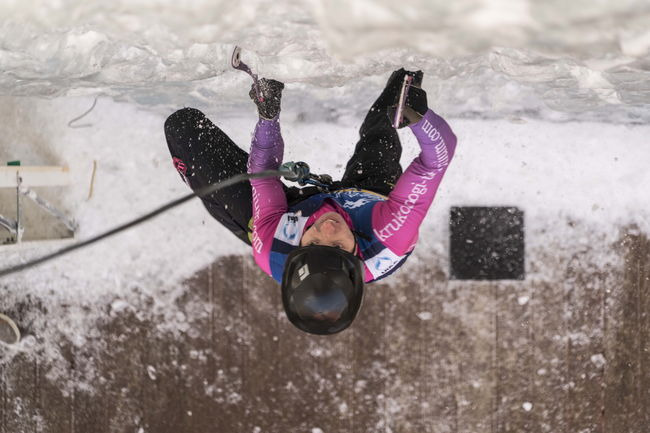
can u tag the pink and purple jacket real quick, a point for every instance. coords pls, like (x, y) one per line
(390, 224)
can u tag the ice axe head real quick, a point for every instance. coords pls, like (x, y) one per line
(236, 58)
(236, 62)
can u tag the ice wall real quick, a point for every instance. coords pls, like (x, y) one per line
(583, 60)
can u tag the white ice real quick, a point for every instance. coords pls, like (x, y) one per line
(483, 58)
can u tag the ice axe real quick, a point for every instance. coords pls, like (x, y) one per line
(236, 63)
(399, 112)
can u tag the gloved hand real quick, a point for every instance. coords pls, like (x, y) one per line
(415, 105)
(271, 91)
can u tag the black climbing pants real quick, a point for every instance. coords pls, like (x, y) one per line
(203, 154)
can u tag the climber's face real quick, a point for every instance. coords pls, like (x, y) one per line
(330, 230)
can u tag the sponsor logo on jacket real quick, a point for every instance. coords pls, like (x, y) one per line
(383, 262)
(400, 217)
(290, 228)
(436, 138)
(349, 204)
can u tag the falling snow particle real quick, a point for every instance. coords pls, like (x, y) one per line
(523, 300)
(119, 306)
(359, 386)
(151, 371)
(527, 406)
(316, 430)
(424, 315)
(234, 398)
(598, 360)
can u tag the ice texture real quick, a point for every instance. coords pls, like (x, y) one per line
(487, 59)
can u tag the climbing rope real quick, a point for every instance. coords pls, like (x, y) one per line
(200, 193)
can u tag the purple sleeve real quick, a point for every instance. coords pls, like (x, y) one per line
(267, 148)
(397, 220)
(269, 200)
(436, 139)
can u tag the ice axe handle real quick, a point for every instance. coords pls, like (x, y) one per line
(236, 63)
(399, 113)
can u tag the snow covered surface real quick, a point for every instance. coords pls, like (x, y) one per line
(549, 108)
(483, 58)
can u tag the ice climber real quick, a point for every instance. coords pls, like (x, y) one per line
(321, 246)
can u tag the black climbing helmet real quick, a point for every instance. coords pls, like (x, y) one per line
(322, 289)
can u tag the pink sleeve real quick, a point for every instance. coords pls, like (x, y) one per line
(269, 200)
(397, 220)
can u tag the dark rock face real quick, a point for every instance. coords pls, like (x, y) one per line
(562, 350)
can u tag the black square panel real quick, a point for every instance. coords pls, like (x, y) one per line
(487, 243)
